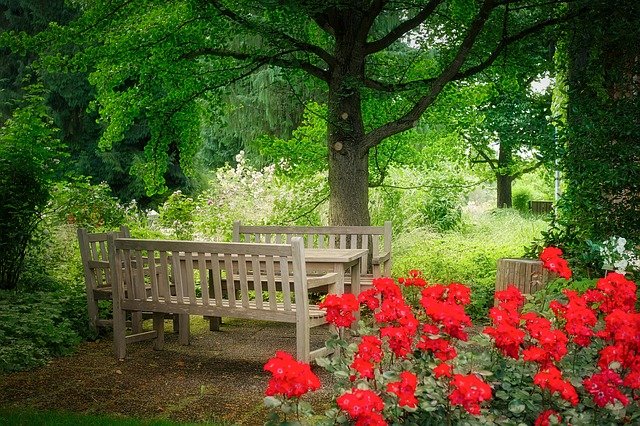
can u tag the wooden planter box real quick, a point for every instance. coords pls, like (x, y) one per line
(527, 275)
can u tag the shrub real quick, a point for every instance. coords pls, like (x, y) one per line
(87, 206)
(416, 362)
(416, 197)
(29, 154)
(177, 214)
(34, 327)
(521, 198)
(52, 261)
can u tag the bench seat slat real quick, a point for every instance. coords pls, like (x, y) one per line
(198, 308)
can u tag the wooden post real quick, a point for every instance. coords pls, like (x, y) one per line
(527, 275)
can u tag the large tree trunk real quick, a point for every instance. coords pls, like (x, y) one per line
(349, 185)
(348, 158)
(504, 191)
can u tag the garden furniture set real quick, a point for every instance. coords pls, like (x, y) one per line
(266, 273)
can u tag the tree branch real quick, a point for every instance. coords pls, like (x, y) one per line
(323, 22)
(408, 120)
(402, 29)
(261, 59)
(529, 169)
(514, 38)
(271, 32)
(469, 185)
(309, 211)
(491, 161)
(370, 15)
(506, 41)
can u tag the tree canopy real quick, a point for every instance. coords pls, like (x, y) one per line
(381, 63)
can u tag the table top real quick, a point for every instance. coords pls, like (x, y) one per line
(333, 255)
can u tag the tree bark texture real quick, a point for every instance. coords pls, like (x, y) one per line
(504, 177)
(504, 191)
(348, 157)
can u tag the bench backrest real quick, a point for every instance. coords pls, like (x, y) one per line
(224, 272)
(376, 239)
(94, 252)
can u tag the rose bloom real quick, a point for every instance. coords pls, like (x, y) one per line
(290, 378)
(360, 402)
(340, 309)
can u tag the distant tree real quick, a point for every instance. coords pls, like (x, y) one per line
(516, 134)
(15, 73)
(156, 60)
(265, 105)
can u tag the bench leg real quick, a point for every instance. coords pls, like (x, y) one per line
(214, 323)
(158, 326)
(92, 308)
(176, 323)
(119, 334)
(184, 328)
(303, 345)
(136, 322)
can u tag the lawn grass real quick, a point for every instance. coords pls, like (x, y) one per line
(468, 255)
(29, 417)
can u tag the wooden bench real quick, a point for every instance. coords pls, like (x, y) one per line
(186, 264)
(376, 239)
(94, 252)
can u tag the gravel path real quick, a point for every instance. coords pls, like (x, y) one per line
(217, 378)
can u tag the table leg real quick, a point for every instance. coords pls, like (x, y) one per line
(338, 268)
(184, 326)
(355, 288)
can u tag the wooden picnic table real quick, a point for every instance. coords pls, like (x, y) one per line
(338, 261)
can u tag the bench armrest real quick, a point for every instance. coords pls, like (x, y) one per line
(381, 265)
(326, 279)
(381, 258)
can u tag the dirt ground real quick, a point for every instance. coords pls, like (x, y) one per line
(217, 378)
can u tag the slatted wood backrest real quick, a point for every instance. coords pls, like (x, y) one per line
(153, 266)
(376, 239)
(94, 251)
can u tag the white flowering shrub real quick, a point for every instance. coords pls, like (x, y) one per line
(618, 254)
(255, 196)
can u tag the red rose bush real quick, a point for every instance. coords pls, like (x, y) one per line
(575, 361)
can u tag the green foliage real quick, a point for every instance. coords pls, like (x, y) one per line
(29, 157)
(468, 255)
(305, 152)
(177, 213)
(34, 327)
(602, 130)
(421, 197)
(248, 114)
(87, 206)
(52, 261)
(24, 417)
(521, 198)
